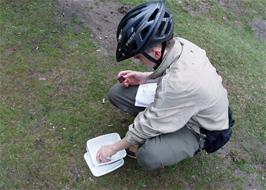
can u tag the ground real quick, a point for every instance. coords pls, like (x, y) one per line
(57, 64)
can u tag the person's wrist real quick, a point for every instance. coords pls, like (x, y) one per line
(115, 148)
(144, 77)
(147, 74)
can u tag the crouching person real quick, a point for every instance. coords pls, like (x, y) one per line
(190, 108)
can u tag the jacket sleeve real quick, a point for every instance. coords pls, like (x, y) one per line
(172, 108)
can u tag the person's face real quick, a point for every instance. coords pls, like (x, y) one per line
(153, 52)
(140, 58)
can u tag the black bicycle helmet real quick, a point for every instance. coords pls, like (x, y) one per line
(142, 28)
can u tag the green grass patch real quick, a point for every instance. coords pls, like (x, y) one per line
(52, 84)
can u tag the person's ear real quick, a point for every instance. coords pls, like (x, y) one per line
(157, 52)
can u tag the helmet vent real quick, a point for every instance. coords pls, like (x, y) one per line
(144, 32)
(161, 29)
(168, 29)
(152, 17)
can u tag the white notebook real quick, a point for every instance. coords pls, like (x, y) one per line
(145, 94)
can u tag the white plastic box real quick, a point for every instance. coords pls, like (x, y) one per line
(93, 145)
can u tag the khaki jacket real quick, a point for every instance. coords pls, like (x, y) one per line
(189, 92)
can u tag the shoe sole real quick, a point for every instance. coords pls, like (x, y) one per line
(131, 154)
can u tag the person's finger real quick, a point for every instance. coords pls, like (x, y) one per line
(128, 75)
(122, 73)
(106, 159)
(126, 83)
(98, 156)
(103, 158)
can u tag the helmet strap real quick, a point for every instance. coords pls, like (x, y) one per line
(156, 61)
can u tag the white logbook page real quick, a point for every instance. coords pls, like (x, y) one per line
(145, 94)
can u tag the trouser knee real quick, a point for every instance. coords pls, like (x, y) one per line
(148, 160)
(167, 149)
(124, 98)
(117, 98)
(112, 94)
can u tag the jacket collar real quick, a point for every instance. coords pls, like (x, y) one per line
(173, 53)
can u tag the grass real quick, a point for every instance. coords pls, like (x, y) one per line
(52, 83)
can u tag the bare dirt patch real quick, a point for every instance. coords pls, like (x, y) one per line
(196, 8)
(257, 25)
(259, 28)
(101, 17)
(236, 6)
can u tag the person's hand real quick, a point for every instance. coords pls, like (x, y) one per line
(132, 77)
(105, 152)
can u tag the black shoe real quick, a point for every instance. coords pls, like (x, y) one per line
(131, 154)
